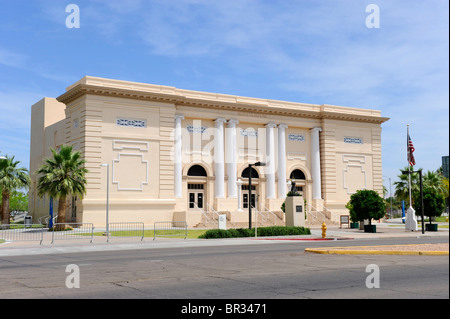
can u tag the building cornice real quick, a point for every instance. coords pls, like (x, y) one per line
(167, 94)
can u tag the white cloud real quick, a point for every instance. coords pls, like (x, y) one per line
(12, 59)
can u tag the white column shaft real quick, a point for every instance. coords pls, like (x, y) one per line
(315, 163)
(270, 161)
(281, 171)
(231, 159)
(219, 169)
(178, 157)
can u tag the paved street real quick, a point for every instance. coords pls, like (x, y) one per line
(240, 270)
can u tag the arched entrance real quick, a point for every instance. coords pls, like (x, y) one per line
(253, 200)
(196, 185)
(299, 178)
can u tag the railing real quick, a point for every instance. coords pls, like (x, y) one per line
(73, 231)
(275, 218)
(315, 217)
(126, 229)
(257, 212)
(212, 211)
(20, 232)
(207, 219)
(170, 229)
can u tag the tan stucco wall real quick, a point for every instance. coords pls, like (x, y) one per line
(141, 166)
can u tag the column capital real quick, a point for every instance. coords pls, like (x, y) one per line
(270, 125)
(220, 120)
(232, 122)
(179, 117)
(282, 126)
(316, 129)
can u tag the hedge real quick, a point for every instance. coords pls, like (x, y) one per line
(262, 231)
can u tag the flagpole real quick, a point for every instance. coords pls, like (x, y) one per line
(409, 167)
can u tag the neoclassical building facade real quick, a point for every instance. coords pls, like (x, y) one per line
(176, 155)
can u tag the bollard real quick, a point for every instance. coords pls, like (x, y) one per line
(324, 230)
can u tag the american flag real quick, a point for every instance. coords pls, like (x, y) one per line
(411, 150)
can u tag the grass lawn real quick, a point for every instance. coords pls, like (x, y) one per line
(191, 234)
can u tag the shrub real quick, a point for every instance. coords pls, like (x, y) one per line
(262, 231)
(433, 202)
(367, 204)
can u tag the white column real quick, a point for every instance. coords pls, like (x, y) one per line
(219, 169)
(281, 171)
(315, 163)
(178, 157)
(239, 189)
(270, 160)
(231, 157)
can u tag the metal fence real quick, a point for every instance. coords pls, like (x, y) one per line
(73, 231)
(20, 232)
(126, 229)
(170, 229)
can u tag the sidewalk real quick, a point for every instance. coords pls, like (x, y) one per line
(390, 229)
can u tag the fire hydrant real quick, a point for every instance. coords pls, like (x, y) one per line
(324, 230)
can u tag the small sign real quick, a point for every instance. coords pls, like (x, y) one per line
(223, 221)
(345, 220)
(299, 209)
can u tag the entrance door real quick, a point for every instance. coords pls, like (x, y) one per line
(254, 198)
(196, 196)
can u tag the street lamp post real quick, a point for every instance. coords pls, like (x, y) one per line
(250, 191)
(107, 198)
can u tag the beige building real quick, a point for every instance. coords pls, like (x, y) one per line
(180, 155)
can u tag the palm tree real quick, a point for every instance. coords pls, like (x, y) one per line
(402, 186)
(434, 180)
(11, 178)
(61, 176)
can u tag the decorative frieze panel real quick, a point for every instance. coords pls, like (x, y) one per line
(296, 137)
(354, 178)
(131, 122)
(130, 144)
(122, 168)
(297, 156)
(249, 133)
(196, 129)
(354, 172)
(353, 140)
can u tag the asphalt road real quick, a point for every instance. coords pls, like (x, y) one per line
(257, 272)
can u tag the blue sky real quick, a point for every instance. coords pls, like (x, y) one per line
(311, 51)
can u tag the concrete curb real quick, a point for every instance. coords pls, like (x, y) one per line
(365, 250)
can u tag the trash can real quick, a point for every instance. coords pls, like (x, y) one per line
(28, 221)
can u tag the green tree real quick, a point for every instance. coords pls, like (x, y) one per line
(435, 180)
(12, 177)
(402, 186)
(61, 176)
(433, 202)
(367, 204)
(18, 201)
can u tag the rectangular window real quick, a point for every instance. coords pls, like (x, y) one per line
(245, 200)
(196, 186)
(191, 200)
(200, 200)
